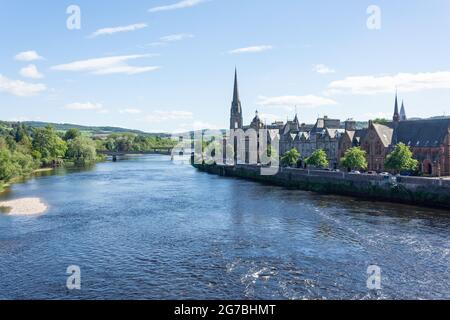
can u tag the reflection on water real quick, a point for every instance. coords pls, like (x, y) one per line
(5, 210)
(146, 228)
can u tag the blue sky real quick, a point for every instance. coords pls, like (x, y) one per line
(168, 65)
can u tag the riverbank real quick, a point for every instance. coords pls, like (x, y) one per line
(407, 190)
(19, 179)
(23, 207)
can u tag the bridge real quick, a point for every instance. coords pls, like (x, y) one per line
(115, 154)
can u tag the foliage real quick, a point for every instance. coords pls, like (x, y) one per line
(72, 134)
(381, 121)
(128, 142)
(318, 159)
(355, 159)
(290, 158)
(400, 159)
(14, 163)
(81, 150)
(50, 146)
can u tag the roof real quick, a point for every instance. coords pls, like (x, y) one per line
(334, 133)
(423, 133)
(385, 133)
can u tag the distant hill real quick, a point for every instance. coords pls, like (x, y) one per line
(90, 129)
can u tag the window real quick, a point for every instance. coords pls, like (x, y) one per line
(378, 149)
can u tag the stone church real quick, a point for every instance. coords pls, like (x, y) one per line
(428, 140)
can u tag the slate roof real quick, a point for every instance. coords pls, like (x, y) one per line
(335, 133)
(385, 133)
(423, 133)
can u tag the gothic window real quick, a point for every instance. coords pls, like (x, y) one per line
(378, 148)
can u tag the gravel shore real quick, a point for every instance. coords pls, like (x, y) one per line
(23, 207)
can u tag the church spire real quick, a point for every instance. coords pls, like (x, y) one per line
(396, 117)
(236, 99)
(403, 112)
(236, 119)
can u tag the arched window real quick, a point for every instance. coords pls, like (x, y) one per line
(378, 149)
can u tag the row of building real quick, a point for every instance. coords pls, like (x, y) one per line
(429, 140)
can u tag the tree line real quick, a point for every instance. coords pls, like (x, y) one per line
(400, 159)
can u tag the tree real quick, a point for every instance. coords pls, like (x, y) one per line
(318, 159)
(381, 121)
(14, 163)
(81, 150)
(401, 159)
(290, 157)
(49, 145)
(354, 159)
(8, 168)
(71, 134)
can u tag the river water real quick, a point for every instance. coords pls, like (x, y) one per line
(147, 228)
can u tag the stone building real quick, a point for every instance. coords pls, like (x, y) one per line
(325, 135)
(428, 140)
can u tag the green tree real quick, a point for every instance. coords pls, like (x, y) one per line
(71, 134)
(290, 157)
(318, 159)
(14, 163)
(401, 159)
(381, 121)
(355, 159)
(8, 168)
(49, 145)
(81, 150)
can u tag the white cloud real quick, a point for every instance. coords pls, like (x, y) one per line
(176, 37)
(84, 106)
(161, 116)
(31, 71)
(253, 49)
(155, 44)
(20, 88)
(269, 118)
(323, 69)
(179, 5)
(107, 65)
(288, 102)
(28, 56)
(112, 30)
(126, 70)
(130, 111)
(404, 82)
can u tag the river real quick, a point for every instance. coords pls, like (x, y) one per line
(148, 228)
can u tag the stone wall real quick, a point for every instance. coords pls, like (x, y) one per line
(411, 190)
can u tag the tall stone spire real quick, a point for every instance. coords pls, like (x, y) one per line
(236, 100)
(403, 112)
(396, 117)
(236, 119)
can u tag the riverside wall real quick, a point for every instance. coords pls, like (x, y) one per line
(410, 190)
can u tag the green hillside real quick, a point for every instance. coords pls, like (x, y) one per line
(90, 129)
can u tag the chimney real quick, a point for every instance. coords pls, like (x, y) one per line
(350, 125)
